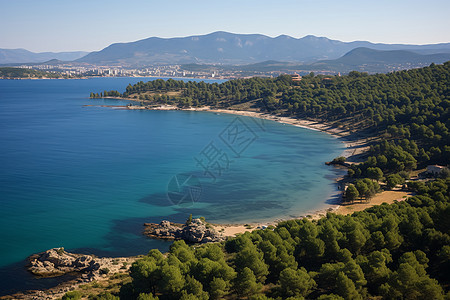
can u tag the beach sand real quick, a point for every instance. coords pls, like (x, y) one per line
(342, 209)
(232, 230)
(383, 197)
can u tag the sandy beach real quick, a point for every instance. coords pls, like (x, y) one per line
(387, 197)
(383, 197)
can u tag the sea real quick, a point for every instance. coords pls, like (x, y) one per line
(82, 174)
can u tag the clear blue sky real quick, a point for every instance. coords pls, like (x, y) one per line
(66, 25)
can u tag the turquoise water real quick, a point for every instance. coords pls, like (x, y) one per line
(87, 178)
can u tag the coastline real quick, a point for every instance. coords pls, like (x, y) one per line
(354, 142)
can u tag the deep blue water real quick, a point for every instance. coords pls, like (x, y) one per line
(87, 178)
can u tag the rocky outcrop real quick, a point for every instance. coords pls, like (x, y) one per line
(197, 231)
(86, 268)
(57, 261)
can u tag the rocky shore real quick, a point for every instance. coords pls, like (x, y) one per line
(57, 262)
(84, 268)
(196, 231)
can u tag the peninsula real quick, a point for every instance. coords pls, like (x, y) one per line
(25, 73)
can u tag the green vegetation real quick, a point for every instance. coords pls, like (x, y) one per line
(397, 251)
(105, 94)
(338, 160)
(189, 220)
(8, 72)
(107, 289)
(72, 295)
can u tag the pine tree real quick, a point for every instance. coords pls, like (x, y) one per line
(246, 284)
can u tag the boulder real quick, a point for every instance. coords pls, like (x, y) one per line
(56, 262)
(196, 231)
(165, 224)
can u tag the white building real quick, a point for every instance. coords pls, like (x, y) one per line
(435, 169)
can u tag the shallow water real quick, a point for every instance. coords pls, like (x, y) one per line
(87, 178)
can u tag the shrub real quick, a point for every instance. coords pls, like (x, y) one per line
(72, 295)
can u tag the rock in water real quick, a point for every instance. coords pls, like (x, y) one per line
(196, 231)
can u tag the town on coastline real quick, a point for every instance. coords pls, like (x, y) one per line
(84, 70)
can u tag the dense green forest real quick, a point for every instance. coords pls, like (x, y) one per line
(8, 72)
(397, 251)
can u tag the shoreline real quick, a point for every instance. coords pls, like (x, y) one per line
(137, 76)
(350, 139)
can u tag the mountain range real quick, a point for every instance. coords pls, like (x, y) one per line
(359, 59)
(228, 48)
(365, 59)
(248, 52)
(17, 56)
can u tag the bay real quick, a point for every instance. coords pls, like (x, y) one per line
(87, 178)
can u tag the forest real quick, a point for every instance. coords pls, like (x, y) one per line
(396, 251)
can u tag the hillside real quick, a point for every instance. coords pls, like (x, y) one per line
(228, 48)
(365, 59)
(359, 59)
(21, 73)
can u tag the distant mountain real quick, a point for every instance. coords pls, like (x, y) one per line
(359, 59)
(228, 48)
(365, 59)
(17, 56)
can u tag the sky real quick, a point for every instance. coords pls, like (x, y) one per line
(91, 25)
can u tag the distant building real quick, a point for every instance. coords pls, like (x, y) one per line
(435, 169)
(296, 77)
